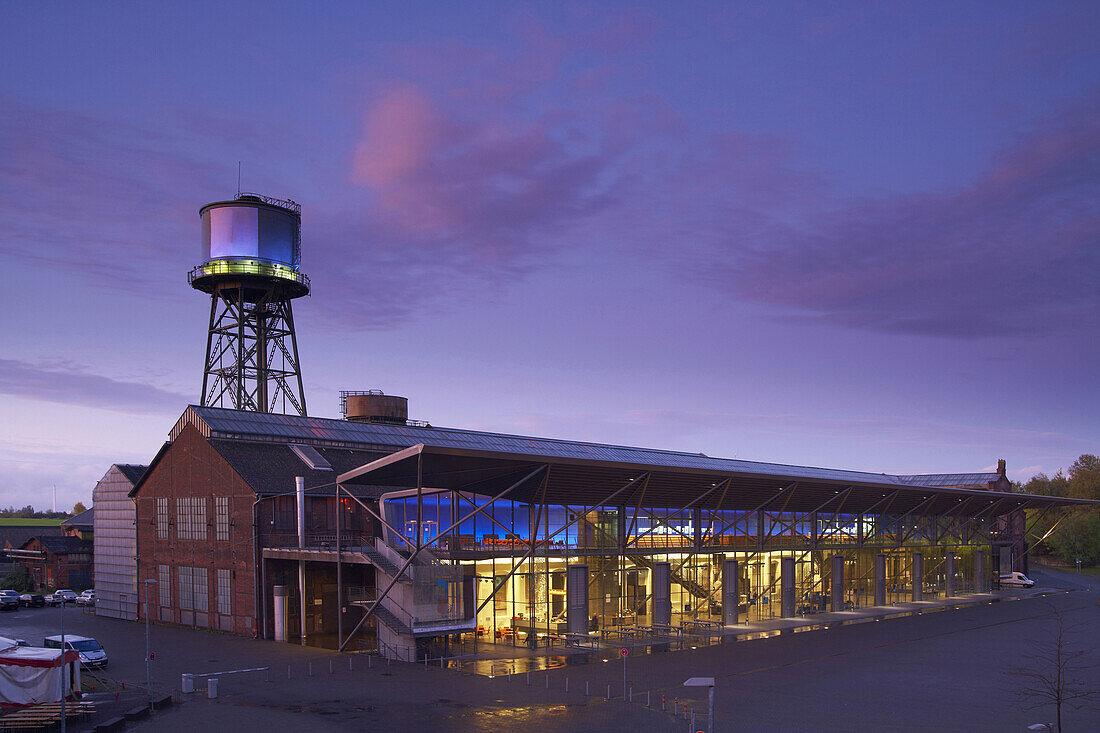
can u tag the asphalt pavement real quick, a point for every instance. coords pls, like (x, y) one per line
(940, 670)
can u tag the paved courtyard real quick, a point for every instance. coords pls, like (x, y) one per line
(940, 670)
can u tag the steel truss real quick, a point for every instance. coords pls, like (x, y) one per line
(252, 351)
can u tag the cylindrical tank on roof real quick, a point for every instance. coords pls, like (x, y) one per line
(376, 407)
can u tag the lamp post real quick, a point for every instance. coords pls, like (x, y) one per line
(65, 675)
(707, 682)
(148, 659)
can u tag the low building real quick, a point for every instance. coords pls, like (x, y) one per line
(81, 526)
(406, 538)
(57, 562)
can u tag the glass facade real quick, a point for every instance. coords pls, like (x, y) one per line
(517, 556)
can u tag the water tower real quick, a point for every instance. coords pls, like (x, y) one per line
(252, 255)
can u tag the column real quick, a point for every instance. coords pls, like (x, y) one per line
(838, 583)
(662, 593)
(918, 576)
(979, 571)
(576, 599)
(880, 579)
(731, 592)
(280, 594)
(786, 582)
(949, 565)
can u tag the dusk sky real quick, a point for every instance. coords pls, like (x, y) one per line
(852, 235)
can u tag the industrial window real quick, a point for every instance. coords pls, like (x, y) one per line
(186, 588)
(162, 518)
(164, 585)
(193, 589)
(191, 518)
(225, 590)
(202, 589)
(221, 518)
(283, 511)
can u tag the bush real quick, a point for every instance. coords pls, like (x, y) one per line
(18, 579)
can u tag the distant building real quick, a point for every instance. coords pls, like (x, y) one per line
(115, 542)
(56, 562)
(80, 525)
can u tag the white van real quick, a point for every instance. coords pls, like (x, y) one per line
(91, 653)
(1016, 580)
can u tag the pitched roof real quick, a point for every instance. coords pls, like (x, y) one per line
(63, 545)
(952, 480)
(270, 468)
(217, 422)
(132, 471)
(85, 519)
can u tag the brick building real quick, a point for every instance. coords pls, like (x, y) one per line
(57, 562)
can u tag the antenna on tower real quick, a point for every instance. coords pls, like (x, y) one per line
(238, 179)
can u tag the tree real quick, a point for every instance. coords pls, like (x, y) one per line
(19, 579)
(1084, 477)
(1077, 538)
(1056, 674)
(79, 507)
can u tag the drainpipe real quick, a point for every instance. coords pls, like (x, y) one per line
(300, 491)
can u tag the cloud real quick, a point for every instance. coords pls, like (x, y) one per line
(66, 384)
(1014, 253)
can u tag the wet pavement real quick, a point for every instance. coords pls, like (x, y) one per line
(918, 671)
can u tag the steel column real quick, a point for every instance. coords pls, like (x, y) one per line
(917, 573)
(731, 592)
(662, 593)
(949, 571)
(880, 579)
(838, 583)
(787, 586)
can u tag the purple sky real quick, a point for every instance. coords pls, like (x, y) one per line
(865, 237)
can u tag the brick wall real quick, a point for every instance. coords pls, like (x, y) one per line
(191, 470)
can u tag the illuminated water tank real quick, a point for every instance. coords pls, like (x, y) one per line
(254, 240)
(251, 253)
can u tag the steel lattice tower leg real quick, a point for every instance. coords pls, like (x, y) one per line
(252, 352)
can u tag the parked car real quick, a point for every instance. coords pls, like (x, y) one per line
(9, 600)
(91, 653)
(87, 598)
(1016, 580)
(32, 599)
(61, 595)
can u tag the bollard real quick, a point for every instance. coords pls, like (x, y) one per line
(188, 683)
(630, 694)
(647, 698)
(528, 678)
(693, 720)
(267, 675)
(288, 671)
(212, 687)
(567, 684)
(311, 669)
(330, 666)
(586, 688)
(548, 680)
(608, 690)
(441, 662)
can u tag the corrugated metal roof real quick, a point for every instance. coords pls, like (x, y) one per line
(225, 423)
(950, 480)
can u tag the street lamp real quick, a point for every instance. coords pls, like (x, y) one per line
(707, 682)
(65, 677)
(148, 668)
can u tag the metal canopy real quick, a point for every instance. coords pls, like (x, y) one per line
(581, 481)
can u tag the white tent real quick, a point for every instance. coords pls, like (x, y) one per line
(31, 675)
